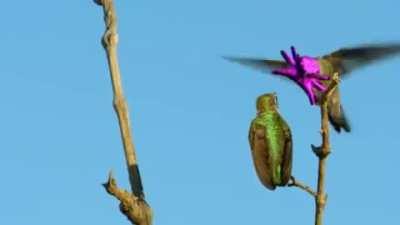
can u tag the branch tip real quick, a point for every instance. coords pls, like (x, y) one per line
(332, 86)
(110, 175)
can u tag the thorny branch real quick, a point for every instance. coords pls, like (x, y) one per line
(132, 205)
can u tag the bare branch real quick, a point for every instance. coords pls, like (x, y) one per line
(132, 205)
(322, 152)
(295, 183)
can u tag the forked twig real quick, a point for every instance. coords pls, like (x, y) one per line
(132, 205)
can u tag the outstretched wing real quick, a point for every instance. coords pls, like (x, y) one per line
(263, 65)
(349, 59)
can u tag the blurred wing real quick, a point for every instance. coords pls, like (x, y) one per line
(263, 65)
(349, 59)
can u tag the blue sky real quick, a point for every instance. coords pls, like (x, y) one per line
(190, 111)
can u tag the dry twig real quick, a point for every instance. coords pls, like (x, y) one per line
(295, 183)
(322, 152)
(132, 205)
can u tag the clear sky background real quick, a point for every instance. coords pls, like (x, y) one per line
(190, 111)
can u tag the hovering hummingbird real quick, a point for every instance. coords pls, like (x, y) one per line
(271, 143)
(313, 74)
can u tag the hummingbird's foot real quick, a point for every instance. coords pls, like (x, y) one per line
(291, 182)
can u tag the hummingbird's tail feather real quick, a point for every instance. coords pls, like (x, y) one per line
(339, 120)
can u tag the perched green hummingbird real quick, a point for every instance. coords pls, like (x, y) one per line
(271, 143)
(343, 61)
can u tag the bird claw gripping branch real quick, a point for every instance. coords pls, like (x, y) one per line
(305, 71)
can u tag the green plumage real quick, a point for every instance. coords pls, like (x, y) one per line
(271, 143)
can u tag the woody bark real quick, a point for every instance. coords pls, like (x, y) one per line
(132, 204)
